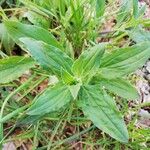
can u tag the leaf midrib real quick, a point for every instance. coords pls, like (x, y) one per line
(106, 114)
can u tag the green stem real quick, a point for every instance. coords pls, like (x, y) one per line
(74, 137)
(4, 104)
(35, 139)
(55, 131)
(12, 114)
(2, 110)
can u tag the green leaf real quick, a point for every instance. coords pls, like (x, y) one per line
(142, 10)
(18, 30)
(89, 61)
(124, 11)
(102, 111)
(13, 67)
(100, 8)
(121, 87)
(67, 77)
(125, 60)
(74, 89)
(139, 35)
(28, 120)
(49, 57)
(52, 99)
(135, 9)
(6, 40)
(73, 85)
(77, 14)
(62, 7)
(37, 19)
(38, 8)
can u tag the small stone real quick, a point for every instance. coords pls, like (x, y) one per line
(144, 114)
(146, 98)
(140, 72)
(148, 66)
(143, 86)
(148, 77)
(9, 146)
(144, 70)
(148, 69)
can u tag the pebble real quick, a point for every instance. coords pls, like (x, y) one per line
(143, 86)
(148, 68)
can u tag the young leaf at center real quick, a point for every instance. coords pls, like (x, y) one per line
(89, 60)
